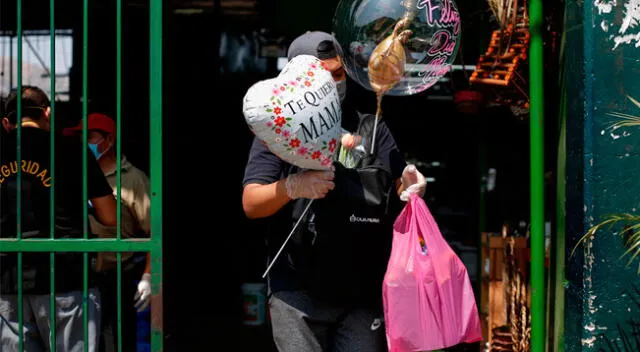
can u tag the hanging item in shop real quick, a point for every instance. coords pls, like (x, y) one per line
(297, 114)
(397, 47)
(514, 332)
(502, 71)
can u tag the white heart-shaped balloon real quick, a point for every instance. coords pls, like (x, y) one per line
(297, 114)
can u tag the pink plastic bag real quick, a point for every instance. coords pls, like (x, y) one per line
(428, 299)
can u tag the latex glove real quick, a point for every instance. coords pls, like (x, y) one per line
(143, 296)
(309, 184)
(413, 182)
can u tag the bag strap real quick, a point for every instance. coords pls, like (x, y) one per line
(418, 211)
(366, 127)
(365, 130)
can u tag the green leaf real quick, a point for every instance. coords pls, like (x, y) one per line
(288, 119)
(632, 227)
(279, 102)
(634, 247)
(635, 102)
(269, 110)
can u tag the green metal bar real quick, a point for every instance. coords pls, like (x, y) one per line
(85, 98)
(155, 110)
(76, 245)
(118, 110)
(119, 162)
(52, 303)
(19, 175)
(85, 301)
(560, 249)
(19, 126)
(119, 283)
(536, 71)
(52, 163)
(85, 200)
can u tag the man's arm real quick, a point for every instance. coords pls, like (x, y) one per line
(399, 186)
(388, 153)
(105, 208)
(259, 201)
(141, 202)
(100, 193)
(147, 268)
(264, 193)
(408, 178)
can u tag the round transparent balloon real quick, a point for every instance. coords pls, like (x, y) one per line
(424, 36)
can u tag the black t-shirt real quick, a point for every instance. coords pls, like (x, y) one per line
(264, 167)
(35, 207)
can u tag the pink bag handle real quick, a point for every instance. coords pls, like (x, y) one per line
(413, 223)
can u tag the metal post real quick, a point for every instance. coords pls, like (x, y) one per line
(52, 166)
(537, 176)
(19, 174)
(119, 165)
(85, 196)
(155, 111)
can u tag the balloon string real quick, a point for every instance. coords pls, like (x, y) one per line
(375, 123)
(411, 9)
(287, 240)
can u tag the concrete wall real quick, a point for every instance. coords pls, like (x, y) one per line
(602, 68)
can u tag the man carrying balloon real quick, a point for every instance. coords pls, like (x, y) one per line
(298, 123)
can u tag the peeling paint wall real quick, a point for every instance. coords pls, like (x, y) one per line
(602, 68)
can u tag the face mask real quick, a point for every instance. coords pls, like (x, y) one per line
(94, 149)
(342, 89)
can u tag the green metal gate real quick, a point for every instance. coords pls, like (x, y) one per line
(86, 245)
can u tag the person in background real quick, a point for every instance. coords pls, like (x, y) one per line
(135, 203)
(272, 188)
(36, 184)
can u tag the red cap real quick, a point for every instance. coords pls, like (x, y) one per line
(96, 121)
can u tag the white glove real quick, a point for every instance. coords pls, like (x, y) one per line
(143, 295)
(412, 182)
(309, 184)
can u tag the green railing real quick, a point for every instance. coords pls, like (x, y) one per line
(86, 245)
(536, 117)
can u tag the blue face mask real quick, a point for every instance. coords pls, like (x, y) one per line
(94, 150)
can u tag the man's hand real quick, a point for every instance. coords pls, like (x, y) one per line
(309, 184)
(143, 295)
(412, 182)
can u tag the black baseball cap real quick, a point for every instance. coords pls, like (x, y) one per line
(315, 43)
